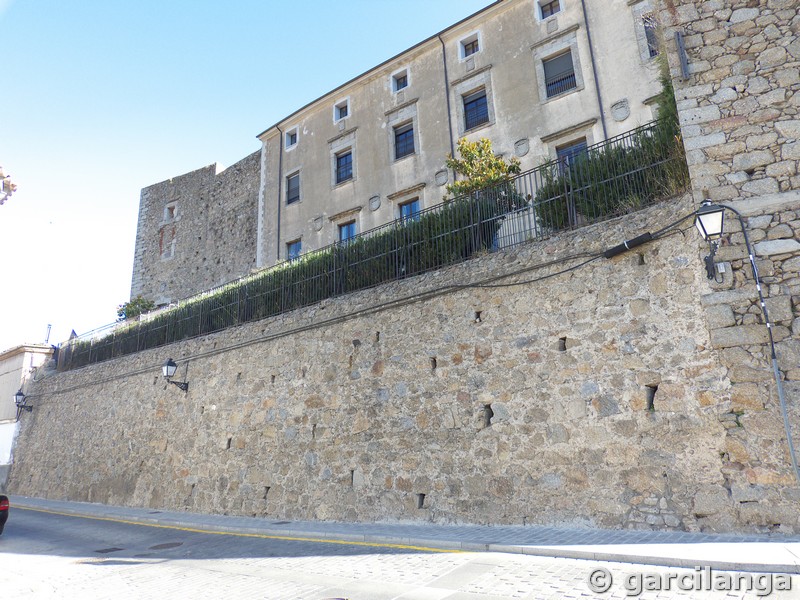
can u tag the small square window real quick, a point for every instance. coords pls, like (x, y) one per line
(341, 110)
(344, 166)
(550, 8)
(291, 138)
(403, 140)
(470, 45)
(410, 210)
(293, 188)
(559, 74)
(347, 231)
(651, 35)
(170, 212)
(293, 250)
(400, 81)
(476, 110)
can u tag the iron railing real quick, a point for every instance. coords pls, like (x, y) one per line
(560, 83)
(622, 174)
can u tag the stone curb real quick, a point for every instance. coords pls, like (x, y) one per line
(573, 552)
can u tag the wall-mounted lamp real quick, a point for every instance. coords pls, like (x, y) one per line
(169, 369)
(21, 401)
(709, 221)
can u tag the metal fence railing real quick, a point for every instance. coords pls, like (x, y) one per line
(617, 176)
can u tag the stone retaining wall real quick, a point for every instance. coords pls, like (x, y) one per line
(592, 397)
(739, 105)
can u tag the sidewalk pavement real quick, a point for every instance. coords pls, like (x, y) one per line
(756, 552)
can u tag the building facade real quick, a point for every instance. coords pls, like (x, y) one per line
(18, 366)
(540, 79)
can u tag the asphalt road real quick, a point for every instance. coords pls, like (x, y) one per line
(46, 555)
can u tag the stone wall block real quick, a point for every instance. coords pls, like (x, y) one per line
(743, 14)
(791, 151)
(696, 143)
(779, 232)
(779, 309)
(710, 500)
(788, 129)
(752, 160)
(774, 97)
(719, 316)
(772, 57)
(743, 335)
(760, 187)
(726, 151)
(748, 397)
(699, 115)
(785, 168)
(758, 142)
(773, 247)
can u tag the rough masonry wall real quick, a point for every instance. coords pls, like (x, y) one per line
(591, 397)
(739, 106)
(197, 231)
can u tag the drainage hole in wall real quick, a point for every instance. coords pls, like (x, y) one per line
(420, 500)
(478, 318)
(488, 415)
(229, 444)
(562, 344)
(377, 336)
(640, 259)
(433, 363)
(266, 492)
(352, 477)
(651, 390)
(272, 379)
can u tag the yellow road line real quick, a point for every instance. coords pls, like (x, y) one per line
(250, 535)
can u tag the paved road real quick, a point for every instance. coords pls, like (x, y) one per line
(45, 555)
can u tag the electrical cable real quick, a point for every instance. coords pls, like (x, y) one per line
(773, 354)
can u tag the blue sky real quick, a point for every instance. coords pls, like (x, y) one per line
(103, 97)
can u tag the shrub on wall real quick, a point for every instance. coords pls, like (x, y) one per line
(432, 239)
(613, 178)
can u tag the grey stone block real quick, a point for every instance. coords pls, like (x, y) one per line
(773, 247)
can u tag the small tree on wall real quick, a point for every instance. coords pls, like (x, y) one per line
(134, 307)
(480, 166)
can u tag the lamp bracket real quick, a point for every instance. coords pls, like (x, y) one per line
(183, 385)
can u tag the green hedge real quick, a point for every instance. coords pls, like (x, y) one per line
(446, 235)
(613, 178)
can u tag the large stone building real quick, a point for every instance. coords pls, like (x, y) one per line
(540, 79)
(627, 393)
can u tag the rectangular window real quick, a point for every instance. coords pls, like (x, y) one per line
(550, 8)
(344, 166)
(293, 250)
(410, 210)
(347, 231)
(476, 110)
(341, 110)
(568, 154)
(470, 48)
(649, 22)
(403, 140)
(291, 138)
(293, 188)
(400, 81)
(559, 74)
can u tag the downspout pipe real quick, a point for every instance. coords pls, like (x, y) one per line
(594, 71)
(280, 192)
(447, 98)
